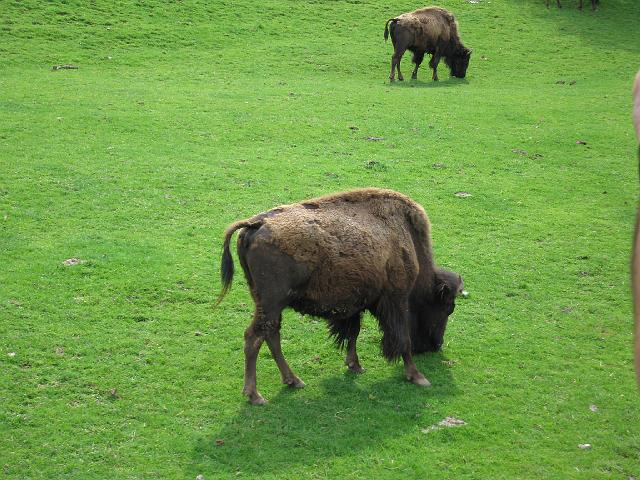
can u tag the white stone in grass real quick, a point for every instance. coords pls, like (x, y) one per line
(11, 354)
(584, 446)
(70, 262)
(593, 408)
(448, 422)
(200, 477)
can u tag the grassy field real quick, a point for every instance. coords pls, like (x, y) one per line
(185, 116)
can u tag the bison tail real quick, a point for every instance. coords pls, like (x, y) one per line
(226, 264)
(386, 28)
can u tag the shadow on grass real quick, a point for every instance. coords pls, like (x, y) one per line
(611, 25)
(298, 429)
(447, 83)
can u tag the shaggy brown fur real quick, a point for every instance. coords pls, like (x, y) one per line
(635, 261)
(594, 4)
(431, 30)
(335, 257)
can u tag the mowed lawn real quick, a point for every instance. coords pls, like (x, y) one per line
(183, 117)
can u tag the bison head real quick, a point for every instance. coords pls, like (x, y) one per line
(430, 322)
(458, 62)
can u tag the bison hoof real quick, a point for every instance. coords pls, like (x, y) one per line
(295, 382)
(355, 368)
(254, 397)
(420, 381)
(259, 400)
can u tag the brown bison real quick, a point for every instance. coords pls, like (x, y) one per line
(335, 257)
(635, 262)
(431, 30)
(594, 4)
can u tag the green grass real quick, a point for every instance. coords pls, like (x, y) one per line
(186, 116)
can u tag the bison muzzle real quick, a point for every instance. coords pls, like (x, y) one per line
(335, 257)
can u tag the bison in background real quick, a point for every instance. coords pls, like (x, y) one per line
(431, 30)
(335, 257)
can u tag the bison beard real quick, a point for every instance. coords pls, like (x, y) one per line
(335, 257)
(431, 30)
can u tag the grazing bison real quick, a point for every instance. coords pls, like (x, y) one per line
(431, 30)
(335, 257)
(635, 262)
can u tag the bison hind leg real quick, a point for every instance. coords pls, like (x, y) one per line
(418, 56)
(272, 275)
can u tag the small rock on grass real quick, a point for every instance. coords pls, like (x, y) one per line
(70, 262)
(584, 446)
(448, 422)
(462, 194)
(593, 408)
(64, 67)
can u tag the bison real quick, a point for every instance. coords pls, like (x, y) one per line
(431, 30)
(335, 257)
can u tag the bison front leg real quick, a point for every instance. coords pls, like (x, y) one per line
(393, 314)
(433, 63)
(412, 373)
(417, 59)
(352, 361)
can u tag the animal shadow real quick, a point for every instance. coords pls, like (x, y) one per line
(447, 83)
(302, 427)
